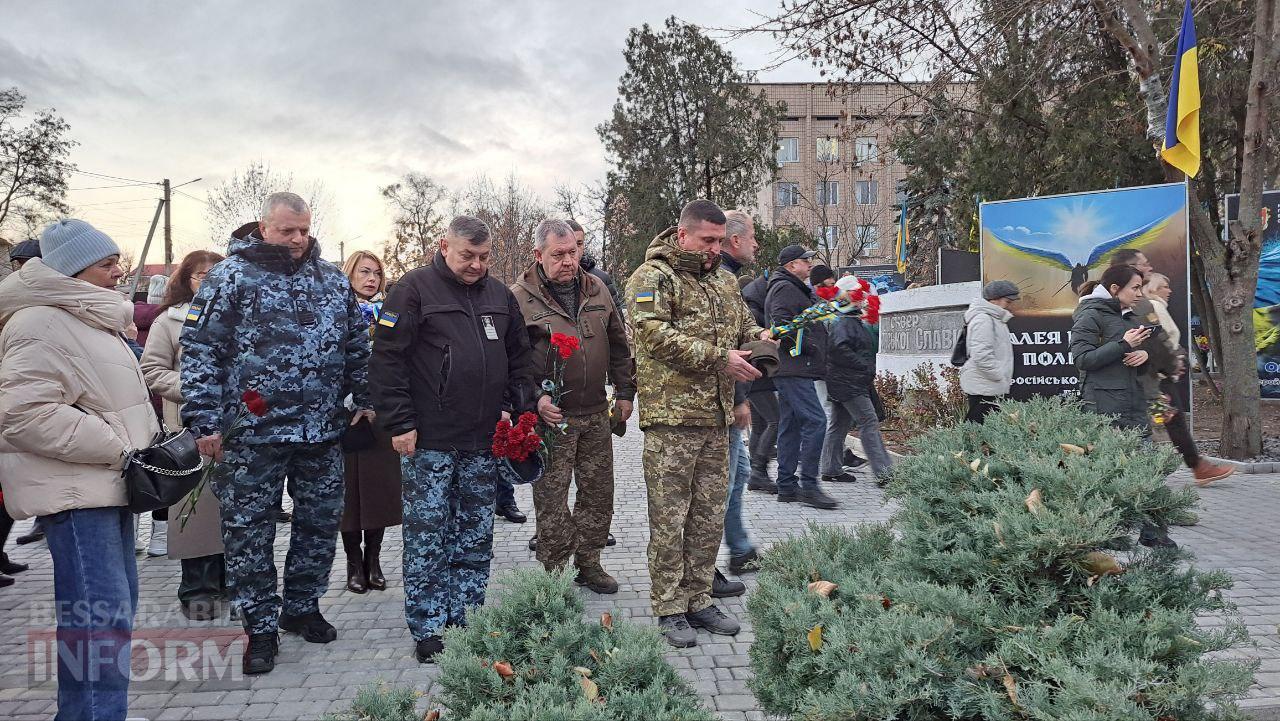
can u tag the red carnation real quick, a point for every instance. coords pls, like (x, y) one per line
(827, 292)
(565, 344)
(254, 402)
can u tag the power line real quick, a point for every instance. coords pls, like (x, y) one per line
(115, 202)
(116, 177)
(189, 195)
(108, 187)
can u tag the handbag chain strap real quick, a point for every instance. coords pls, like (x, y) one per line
(164, 471)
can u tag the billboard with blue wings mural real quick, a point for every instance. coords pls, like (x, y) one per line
(1266, 302)
(1051, 246)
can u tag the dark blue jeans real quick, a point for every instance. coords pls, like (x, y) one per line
(95, 590)
(504, 492)
(802, 424)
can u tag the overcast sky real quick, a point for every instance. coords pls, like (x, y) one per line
(350, 94)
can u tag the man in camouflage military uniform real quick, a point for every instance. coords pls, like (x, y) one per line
(451, 357)
(689, 321)
(277, 319)
(555, 296)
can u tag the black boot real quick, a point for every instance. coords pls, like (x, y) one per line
(260, 656)
(312, 627)
(722, 587)
(759, 479)
(9, 568)
(357, 582)
(373, 567)
(6, 580)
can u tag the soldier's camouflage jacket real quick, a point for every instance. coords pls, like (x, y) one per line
(291, 330)
(686, 321)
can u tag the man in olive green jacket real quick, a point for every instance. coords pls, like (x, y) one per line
(690, 322)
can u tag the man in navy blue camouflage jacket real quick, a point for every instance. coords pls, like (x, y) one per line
(277, 319)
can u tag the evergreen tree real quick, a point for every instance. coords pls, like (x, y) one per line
(685, 126)
(1007, 586)
(532, 657)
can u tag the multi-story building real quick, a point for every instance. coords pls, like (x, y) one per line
(837, 174)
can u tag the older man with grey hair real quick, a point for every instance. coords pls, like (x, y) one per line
(556, 296)
(275, 319)
(451, 357)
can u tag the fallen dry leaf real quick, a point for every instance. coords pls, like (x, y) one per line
(595, 655)
(606, 620)
(432, 715)
(1011, 687)
(1035, 502)
(974, 465)
(504, 669)
(590, 689)
(815, 638)
(980, 671)
(1072, 448)
(822, 588)
(995, 526)
(582, 671)
(1101, 564)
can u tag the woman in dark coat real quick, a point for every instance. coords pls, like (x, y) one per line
(1105, 337)
(372, 474)
(1105, 340)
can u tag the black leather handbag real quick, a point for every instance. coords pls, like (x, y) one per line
(164, 473)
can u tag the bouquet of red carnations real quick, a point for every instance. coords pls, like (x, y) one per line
(254, 404)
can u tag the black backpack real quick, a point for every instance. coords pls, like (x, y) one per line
(960, 354)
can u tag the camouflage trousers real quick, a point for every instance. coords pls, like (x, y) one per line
(686, 470)
(448, 536)
(584, 455)
(248, 485)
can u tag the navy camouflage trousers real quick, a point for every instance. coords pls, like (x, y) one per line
(248, 484)
(448, 536)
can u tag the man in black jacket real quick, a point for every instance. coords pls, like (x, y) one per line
(851, 374)
(451, 356)
(801, 361)
(763, 398)
(588, 265)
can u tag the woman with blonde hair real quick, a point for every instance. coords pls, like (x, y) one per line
(372, 473)
(197, 541)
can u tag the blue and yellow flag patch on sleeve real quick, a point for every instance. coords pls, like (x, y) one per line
(388, 319)
(193, 313)
(645, 295)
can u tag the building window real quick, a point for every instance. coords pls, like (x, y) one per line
(868, 238)
(829, 236)
(786, 194)
(866, 192)
(828, 150)
(788, 150)
(866, 150)
(829, 192)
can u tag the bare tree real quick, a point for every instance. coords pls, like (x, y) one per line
(418, 204)
(33, 167)
(513, 212)
(841, 216)
(238, 200)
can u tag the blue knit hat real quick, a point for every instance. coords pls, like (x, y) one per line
(70, 246)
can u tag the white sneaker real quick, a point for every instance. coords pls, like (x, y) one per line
(159, 545)
(138, 545)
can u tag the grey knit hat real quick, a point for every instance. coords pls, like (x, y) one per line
(69, 246)
(156, 287)
(1000, 289)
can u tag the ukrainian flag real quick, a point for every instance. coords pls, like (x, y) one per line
(1182, 126)
(904, 237)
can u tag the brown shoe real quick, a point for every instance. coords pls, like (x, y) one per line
(596, 580)
(1206, 472)
(356, 580)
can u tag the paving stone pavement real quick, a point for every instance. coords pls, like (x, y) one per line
(1236, 532)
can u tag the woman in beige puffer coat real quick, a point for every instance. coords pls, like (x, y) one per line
(73, 404)
(195, 539)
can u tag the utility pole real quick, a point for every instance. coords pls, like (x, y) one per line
(142, 262)
(168, 231)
